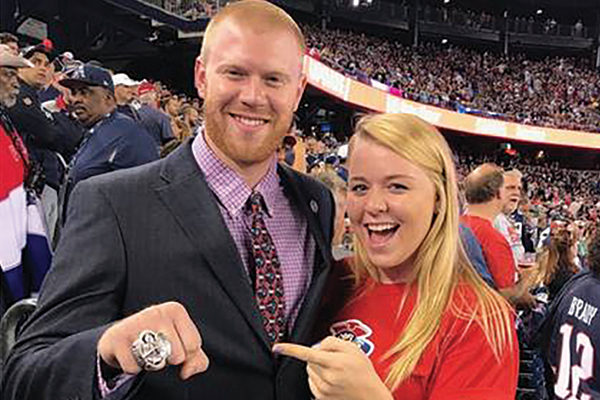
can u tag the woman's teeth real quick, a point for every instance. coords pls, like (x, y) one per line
(381, 227)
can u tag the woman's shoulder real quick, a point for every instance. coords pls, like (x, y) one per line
(466, 305)
(464, 296)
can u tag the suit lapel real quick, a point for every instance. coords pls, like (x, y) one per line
(309, 207)
(322, 261)
(187, 196)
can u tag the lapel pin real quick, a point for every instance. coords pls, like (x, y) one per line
(314, 206)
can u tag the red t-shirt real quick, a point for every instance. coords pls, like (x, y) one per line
(496, 250)
(457, 364)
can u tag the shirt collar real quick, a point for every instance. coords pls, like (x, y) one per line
(229, 187)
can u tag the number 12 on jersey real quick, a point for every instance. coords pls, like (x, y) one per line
(571, 374)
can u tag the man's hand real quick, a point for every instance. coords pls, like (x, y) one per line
(171, 319)
(338, 369)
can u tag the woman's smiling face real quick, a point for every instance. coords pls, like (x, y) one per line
(391, 203)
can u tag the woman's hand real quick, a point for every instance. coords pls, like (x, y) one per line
(338, 369)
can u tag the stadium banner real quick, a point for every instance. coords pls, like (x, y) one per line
(364, 96)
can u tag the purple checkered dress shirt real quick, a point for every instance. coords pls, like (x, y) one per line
(287, 226)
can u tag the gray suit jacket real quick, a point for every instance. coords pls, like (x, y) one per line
(152, 234)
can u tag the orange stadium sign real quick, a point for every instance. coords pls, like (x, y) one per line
(356, 93)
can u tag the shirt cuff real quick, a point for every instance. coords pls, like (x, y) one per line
(108, 385)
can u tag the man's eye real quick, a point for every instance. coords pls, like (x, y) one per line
(234, 74)
(274, 81)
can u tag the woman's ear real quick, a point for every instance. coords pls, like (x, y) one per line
(437, 205)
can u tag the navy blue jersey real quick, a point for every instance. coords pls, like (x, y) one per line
(157, 123)
(115, 142)
(573, 349)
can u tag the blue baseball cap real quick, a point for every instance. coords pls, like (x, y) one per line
(88, 75)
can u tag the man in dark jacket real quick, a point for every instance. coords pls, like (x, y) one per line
(44, 134)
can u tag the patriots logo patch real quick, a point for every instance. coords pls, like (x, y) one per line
(78, 73)
(355, 331)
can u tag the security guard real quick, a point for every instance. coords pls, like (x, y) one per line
(112, 140)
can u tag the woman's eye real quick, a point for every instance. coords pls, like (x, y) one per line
(398, 187)
(358, 189)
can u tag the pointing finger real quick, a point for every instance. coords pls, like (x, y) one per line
(302, 353)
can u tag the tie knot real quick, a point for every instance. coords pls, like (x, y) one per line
(255, 203)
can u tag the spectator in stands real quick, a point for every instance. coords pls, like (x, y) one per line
(14, 163)
(112, 141)
(125, 90)
(147, 94)
(486, 198)
(10, 41)
(44, 134)
(179, 230)
(191, 117)
(339, 188)
(512, 188)
(532, 92)
(415, 320)
(171, 105)
(571, 334)
(157, 123)
(557, 259)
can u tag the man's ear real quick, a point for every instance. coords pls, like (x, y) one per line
(301, 87)
(200, 77)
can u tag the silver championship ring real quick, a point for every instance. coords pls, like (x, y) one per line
(151, 350)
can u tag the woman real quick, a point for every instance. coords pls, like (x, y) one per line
(557, 259)
(417, 322)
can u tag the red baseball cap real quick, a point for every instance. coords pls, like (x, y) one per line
(146, 87)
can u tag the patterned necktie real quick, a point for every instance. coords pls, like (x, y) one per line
(268, 284)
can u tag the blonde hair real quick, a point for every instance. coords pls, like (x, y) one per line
(258, 14)
(441, 262)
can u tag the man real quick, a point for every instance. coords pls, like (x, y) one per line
(125, 89)
(168, 248)
(155, 122)
(572, 347)
(10, 41)
(148, 95)
(43, 133)
(486, 198)
(13, 203)
(512, 187)
(112, 141)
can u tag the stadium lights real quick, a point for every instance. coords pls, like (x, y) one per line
(355, 3)
(539, 11)
(446, 1)
(444, 41)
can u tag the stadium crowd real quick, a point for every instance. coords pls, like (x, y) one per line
(556, 92)
(528, 229)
